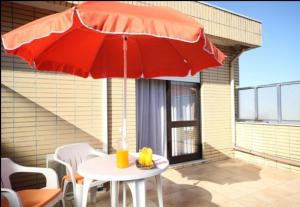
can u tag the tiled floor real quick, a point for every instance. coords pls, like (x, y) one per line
(229, 183)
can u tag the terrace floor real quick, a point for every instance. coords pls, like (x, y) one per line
(230, 183)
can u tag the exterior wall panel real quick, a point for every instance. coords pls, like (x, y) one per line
(277, 140)
(216, 111)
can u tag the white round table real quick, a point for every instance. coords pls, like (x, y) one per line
(104, 168)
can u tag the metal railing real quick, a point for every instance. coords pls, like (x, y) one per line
(259, 99)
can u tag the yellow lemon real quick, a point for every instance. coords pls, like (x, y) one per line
(144, 150)
(142, 158)
(148, 157)
(148, 160)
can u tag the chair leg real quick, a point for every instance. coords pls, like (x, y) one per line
(65, 189)
(107, 186)
(62, 201)
(93, 192)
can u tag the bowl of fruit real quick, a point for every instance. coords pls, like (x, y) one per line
(144, 160)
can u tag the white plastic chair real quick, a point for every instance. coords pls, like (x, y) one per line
(71, 156)
(46, 197)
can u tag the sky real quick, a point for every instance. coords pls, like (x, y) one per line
(277, 60)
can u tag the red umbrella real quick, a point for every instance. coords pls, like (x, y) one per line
(92, 39)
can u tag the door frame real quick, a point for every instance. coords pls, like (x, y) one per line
(170, 125)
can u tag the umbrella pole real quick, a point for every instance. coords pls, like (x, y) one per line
(124, 127)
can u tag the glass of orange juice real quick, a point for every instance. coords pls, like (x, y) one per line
(122, 156)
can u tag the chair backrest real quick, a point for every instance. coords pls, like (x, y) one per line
(8, 167)
(74, 154)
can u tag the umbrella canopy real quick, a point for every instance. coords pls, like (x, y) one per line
(87, 40)
(112, 39)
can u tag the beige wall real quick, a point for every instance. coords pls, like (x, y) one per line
(273, 139)
(216, 110)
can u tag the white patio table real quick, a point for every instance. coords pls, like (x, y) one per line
(104, 168)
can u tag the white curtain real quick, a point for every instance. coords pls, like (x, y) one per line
(151, 115)
(183, 99)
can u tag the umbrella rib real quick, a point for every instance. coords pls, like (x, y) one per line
(140, 54)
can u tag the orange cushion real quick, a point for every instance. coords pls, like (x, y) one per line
(4, 202)
(37, 197)
(79, 178)
(34, 197)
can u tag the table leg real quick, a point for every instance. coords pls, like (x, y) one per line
(159, 190)
(85, 191)
(124, 194)
(138, 191)
(114, 194)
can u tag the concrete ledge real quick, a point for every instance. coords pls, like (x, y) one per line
(269, 123)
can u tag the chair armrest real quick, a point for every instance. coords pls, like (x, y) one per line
(68, 167)
(12, 197)
(50, 174)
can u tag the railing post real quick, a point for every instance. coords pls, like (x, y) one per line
(256, 103)
(279, 110)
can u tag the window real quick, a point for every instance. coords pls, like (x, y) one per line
(267, 103)
(290, 102)
(247, 104)
(270, 103)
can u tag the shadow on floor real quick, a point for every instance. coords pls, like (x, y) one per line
(174, 196)
(192, 186)
(223, 172)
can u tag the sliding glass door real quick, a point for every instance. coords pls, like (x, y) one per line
(183, 121)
